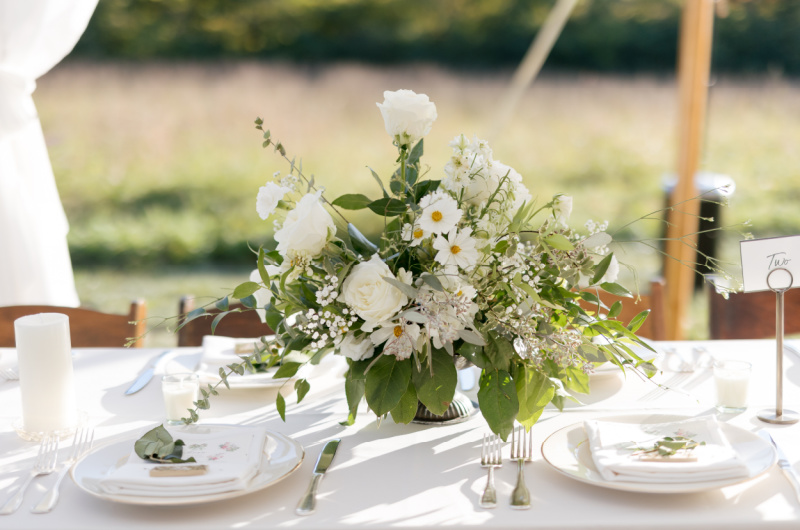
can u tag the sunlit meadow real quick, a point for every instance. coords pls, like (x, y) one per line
(158, 165)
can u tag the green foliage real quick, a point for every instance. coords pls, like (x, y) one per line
(157, 445)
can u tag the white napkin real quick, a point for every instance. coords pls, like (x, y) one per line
(612, 445)
(233, 456)
(221, 351)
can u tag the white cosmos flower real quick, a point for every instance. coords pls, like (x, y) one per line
(401, 339)
(457, 249)
(268, 198)
(440, 213)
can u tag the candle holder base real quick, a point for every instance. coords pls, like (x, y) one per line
(770, 416)
(33, 436)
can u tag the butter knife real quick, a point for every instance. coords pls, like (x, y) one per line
(308, 503)
(783, 463)
(146, 376)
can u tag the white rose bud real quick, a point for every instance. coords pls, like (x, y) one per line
(408, 116)
(356, 349)
(372, 298)
(307, 228)
(562, 208)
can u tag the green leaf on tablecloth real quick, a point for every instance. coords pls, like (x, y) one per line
(405, 411)
(498, 400)
(302, 387)
(245, 289)
(157, 445)
(534, 392)
(387, 381)
(280, 404)
(436, 390)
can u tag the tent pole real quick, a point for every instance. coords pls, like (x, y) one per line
(694, 64)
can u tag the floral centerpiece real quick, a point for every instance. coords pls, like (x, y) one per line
(466, 265)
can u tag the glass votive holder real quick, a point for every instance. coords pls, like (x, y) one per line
(732, 380)
(180, 393)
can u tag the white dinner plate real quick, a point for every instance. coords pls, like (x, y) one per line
(282, 456)
(567, 451)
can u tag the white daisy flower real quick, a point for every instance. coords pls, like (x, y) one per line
(400, 338)
(458, 249)
(440, 213)
(418, 235)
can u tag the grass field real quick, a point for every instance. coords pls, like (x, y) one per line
(158, 165)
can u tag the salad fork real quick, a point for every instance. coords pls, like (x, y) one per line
(521, 451)
(80, 444)
(491, 457)
(45, 464)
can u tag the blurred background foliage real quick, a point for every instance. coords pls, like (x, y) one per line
(601, 35)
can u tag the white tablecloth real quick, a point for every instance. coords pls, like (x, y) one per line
(417, 476)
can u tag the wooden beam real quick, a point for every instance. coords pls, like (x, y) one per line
(694, 63)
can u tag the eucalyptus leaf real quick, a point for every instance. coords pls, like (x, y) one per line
(433, 281)
(403, 287)
(470, 336)
(245, 289)
(157, 445)
(353, 201)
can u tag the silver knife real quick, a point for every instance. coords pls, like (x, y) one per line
(147, 375)
(783, 463)
(308, 503)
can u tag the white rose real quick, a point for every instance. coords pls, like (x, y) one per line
(562, 208)
(356, 349)
(372, 298)
(307, 228)
(268, 198)
(408, 116)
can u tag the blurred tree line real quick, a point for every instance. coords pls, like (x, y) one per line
(604, 35)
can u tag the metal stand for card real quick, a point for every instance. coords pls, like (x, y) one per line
(779, 415)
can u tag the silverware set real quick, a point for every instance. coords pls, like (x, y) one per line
(682, 370)
(492, 457)
(45, 464)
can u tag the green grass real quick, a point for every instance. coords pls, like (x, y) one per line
(158, 165)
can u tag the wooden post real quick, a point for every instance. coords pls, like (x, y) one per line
(694, 63)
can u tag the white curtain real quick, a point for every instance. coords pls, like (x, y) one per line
(35, 267)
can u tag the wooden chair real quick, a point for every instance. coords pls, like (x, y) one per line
(87, 328)
(246, 324)
(654, 327)
(750, 315)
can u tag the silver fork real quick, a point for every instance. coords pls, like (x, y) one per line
(491, 457)
(521, 451)
(80, 444)
(9, 374)
(45, 464)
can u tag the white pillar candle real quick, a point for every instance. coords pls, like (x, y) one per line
(46, 379)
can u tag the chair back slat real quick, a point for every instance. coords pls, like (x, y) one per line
(245, 324)
(88, 328)
(751, 315)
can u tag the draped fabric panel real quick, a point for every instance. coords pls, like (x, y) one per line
(35, 266)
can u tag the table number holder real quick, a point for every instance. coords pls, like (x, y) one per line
(779, 415)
